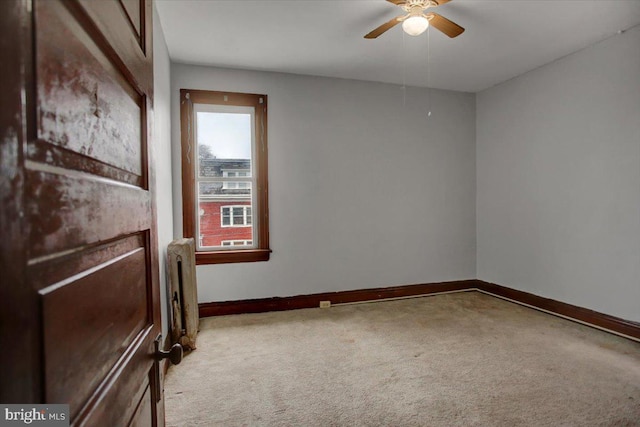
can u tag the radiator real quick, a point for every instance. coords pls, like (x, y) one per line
(184, 292)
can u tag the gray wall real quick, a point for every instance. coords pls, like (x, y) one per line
(558, 179)
(162, 154)
(364, 191)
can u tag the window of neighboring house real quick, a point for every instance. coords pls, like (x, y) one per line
(232, 185)
(236, 242)
(235, 216)
(224, 175)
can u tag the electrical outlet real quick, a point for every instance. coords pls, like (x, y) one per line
(325, 304)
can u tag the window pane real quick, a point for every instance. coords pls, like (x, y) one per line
(224, 144)
(224, 216)
(238, 216)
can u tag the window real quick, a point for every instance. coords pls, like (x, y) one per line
(224, 175)
(236, 243)
(232, 185)
(235, 216)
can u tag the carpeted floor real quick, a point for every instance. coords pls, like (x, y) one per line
(463, 359)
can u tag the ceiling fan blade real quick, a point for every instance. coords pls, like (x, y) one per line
(441, 2)
(443, 24)
(384, 27)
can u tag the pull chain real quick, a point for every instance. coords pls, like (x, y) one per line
(404, 73)
(428, 71)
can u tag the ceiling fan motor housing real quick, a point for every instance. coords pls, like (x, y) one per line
(418, 5)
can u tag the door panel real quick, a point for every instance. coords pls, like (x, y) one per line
(75, 77)
(84, 221)
(43, 274)
(141, 416)
(134, 10)
(69, 209)
(108, 307)
(114, 404)
(112, 20)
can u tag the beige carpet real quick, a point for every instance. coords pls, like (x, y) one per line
(464, 359)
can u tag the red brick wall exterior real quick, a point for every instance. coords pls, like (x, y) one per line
(211, 224)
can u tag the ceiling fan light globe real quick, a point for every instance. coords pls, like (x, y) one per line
(415, 25)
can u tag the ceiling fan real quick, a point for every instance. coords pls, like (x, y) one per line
(416, 21)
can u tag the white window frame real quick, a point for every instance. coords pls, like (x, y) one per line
(251, 179)
(244, 216)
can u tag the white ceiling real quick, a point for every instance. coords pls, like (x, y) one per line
(503, 38)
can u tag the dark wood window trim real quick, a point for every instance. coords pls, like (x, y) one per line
(188, 98)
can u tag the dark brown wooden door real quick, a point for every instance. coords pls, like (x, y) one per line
(80, 297)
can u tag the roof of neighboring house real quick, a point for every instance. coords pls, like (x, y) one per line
(212, 168)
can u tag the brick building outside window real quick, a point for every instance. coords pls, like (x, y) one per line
(225, 211)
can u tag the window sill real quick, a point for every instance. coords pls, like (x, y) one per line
(228, 257)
